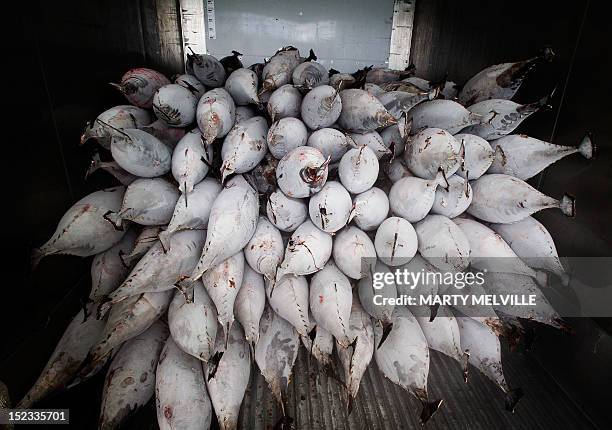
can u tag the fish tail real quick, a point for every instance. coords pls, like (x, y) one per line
(429, 408)
(568, 205)
(512, 398)
(587, 147)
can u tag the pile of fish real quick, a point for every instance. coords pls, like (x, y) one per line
(247, 199)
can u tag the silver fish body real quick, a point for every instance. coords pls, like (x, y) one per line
(216, 114)
(175, 105)
(84, 229)
(130, 380)
(180, 391)
(505, 199)
(140, 153)
(524, 157)
(119, 117)
(139, 86)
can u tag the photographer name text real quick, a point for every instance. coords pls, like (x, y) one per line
(457, 300)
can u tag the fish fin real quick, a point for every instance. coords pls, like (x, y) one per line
(86, 135)
(37, 255)
(486, 118)
(429, 408)
(311, 56)
(225, 172)
(565, 279)
(435, 92)
(115, 219)
(541, 278)
(544, 102)
(351, 403)
(118, 87)
(227, 329)
(202, 159)
(500, 155)
(547, 54)
(164, 240)
(438, 86)
(512, 398)
(465, 365)
(441, 179)
(213, 365)
(86, 309)
(562, 325)
(193, 90)
(433, 311)
(323, 166)
(462, 151)
(89, 368)
(352, 214)
(587, 147)
(312, 334)
(350, 141)
(351, 347)
(93, 165)
(284, 422)
(568, 205)
(407, 127)
(113, 129)
(104, 307)
(122, 255)
(252, 349)
(408, 72)
(467, 183)
(387, 328)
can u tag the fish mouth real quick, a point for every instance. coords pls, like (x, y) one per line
(314, 176)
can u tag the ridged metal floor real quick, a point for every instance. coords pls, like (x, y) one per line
(317, 401)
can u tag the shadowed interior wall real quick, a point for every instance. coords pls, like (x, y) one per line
(67, 53)
(458, 39)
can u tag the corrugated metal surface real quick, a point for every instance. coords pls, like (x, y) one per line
(317, 401)
(346, 35)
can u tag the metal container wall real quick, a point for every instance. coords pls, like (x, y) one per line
(346, 35)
